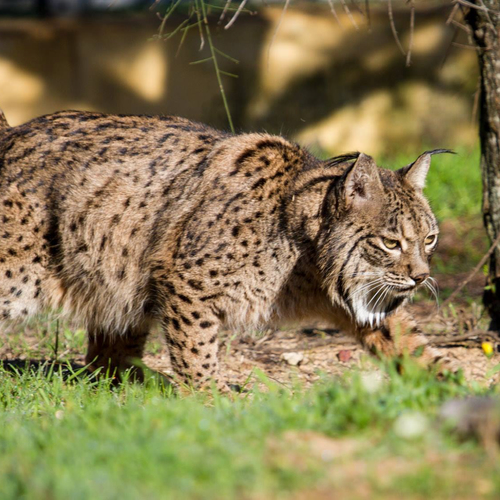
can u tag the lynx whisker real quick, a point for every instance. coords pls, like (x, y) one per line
(380, 316)
(433, 291)
(367, 286)
(381, 289)
(367, 290)
(381, 297)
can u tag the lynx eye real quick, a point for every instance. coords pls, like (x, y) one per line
(390, 244)
(430, 240)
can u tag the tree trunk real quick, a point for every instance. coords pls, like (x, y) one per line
(485, 23)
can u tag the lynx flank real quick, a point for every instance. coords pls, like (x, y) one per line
(127, 221)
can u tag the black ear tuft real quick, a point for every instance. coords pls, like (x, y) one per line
(416, 172)
(338, 160)
(439, 151)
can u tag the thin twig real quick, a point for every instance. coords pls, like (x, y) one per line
(453, 13)
(285, 7)
(200, 24)
(349, 15)
(358, 8)
(216, 65)
(448, 48)
(334, 12)
(412, 29)
(224, 11)
(471, 5)
(464, 46)
(461, 26)
(393, 27)
(368, 16)
(479, 265)
(183, 37)
(236, 14)
(165, 17)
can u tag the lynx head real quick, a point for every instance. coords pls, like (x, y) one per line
(378, 237)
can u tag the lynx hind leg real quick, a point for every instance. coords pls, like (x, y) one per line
(114, 353)
(400, 335)
(193, 347)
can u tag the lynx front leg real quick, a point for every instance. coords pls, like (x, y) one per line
(193, 349)
(400, 335)
(116, 352)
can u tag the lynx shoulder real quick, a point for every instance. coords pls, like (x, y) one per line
(127, 221)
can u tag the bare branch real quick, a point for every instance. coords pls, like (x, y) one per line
(334, 12)
(479, 266)
(224, 11)
(236, 14)
(349, 15)
(200, 17)
(358, 8)
(285, 7)
(471, 5)
(165, 17)
(183, 37)
(218, 71)
(464, 46)
(453, 13)
(461, 26)
(412, 29)
(393, 27)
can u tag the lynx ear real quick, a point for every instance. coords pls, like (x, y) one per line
(416, 172)
(362, 182)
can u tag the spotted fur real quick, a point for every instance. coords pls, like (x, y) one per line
(127, 221)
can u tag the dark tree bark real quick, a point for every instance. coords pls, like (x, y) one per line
(484, 20)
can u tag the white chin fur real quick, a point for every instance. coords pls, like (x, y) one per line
(366, 317)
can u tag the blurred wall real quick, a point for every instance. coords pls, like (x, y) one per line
(333, 88)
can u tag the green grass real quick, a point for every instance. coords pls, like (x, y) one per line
(454, 185)
(81, 440)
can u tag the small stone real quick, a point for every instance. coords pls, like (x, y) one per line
(344, 356)
(293, 358)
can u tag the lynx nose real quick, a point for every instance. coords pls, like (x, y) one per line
(419, 278)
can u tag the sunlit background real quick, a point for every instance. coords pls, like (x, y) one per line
(334, 86)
